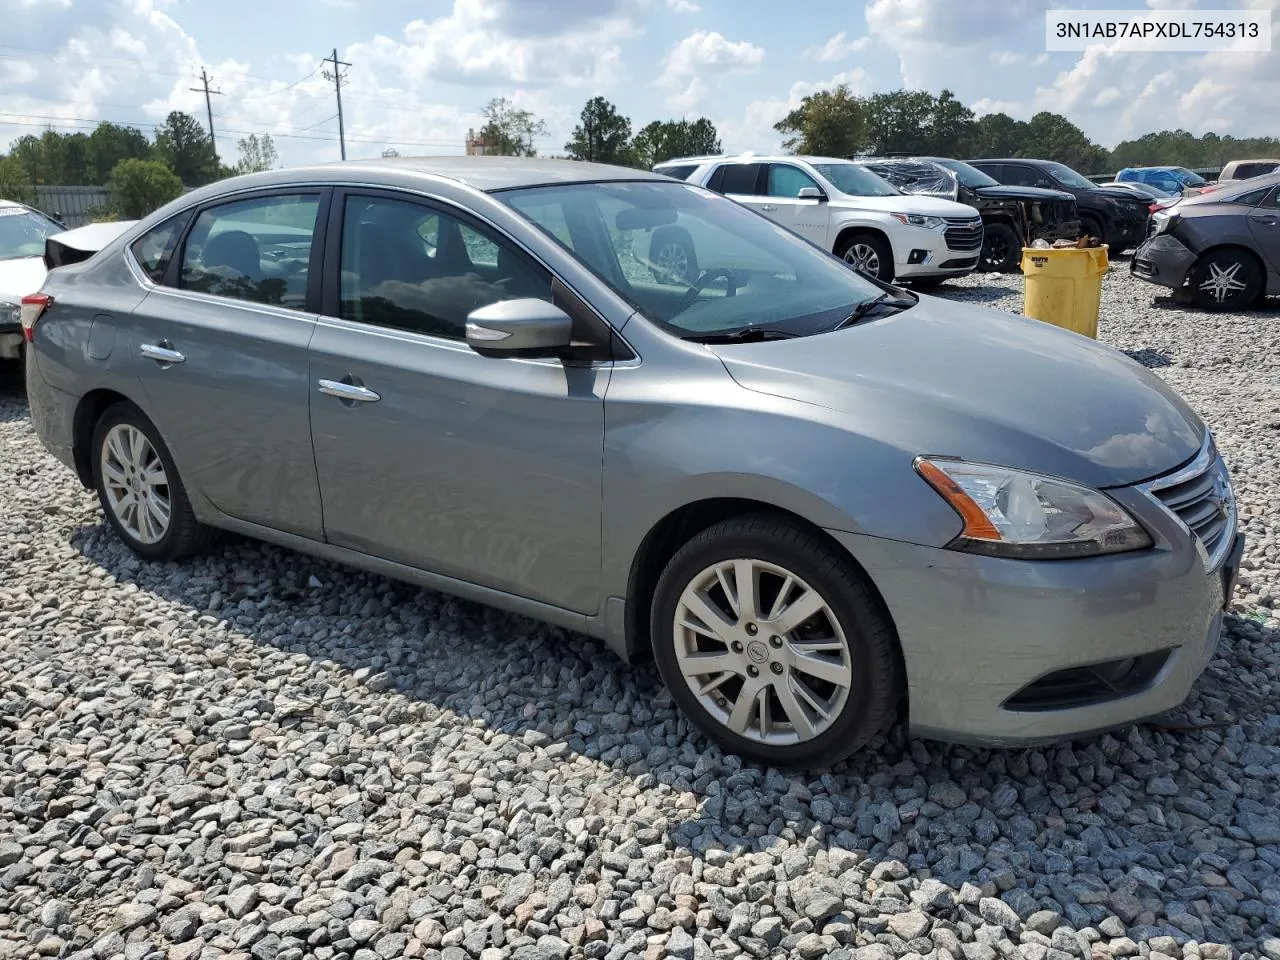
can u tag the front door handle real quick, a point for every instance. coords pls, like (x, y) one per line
(348, 391)
(768, 206)
(161, 353)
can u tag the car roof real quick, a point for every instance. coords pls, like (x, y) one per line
(486, 173)
(1008, 160)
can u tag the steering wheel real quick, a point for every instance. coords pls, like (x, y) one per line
(703, 281)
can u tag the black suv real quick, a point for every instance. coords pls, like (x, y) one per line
(1012, 217)
(1117, 216)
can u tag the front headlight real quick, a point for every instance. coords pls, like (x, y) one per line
(1012, 513)
(10, 312)
(917, 220)
(1161, 221)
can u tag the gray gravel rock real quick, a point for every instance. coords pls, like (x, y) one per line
(252, 754)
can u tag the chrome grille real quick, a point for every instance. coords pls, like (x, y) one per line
(1200, 496)
(963, 233)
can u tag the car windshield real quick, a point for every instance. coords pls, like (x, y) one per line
(23, 232)
(1188, 177)
(1068, 177)
(856, 180)
(967, 175)
(692, 261)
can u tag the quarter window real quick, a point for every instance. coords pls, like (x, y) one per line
(738, 178)
(154, 248)
(409, 267)
(256, 250)
(787, 181)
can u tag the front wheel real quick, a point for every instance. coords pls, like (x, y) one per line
(139, 487)
(1001, 251)
(773, 644)
(1226, 280)
(672, 256)
(868, 253)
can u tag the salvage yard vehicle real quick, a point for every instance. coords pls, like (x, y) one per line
(1177, 180)
(1116, 216)
(838, 205)
(814, 498)
(1245, 169)
(1012, 217)
(1221, 250)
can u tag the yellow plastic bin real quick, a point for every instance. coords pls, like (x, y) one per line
(1064, 286)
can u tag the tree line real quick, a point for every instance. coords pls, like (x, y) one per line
(141, 173)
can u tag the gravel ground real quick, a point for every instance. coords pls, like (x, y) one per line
(235, 758)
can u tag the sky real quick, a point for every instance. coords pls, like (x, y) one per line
(420, 72)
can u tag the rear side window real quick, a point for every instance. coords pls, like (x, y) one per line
(1247, 170)
(1253, 198)
(740, 178)
(154, 248)
(257, 250)
(679, 172)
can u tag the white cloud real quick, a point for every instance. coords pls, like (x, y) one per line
(837, 48)
(988, 105)
(698, 55)
(683, 6)
(1007, 58)
(754, 131)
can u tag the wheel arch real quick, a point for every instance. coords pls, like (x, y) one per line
(682, 524)
(846, 233)
(88, 412)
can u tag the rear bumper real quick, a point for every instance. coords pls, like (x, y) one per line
(1162, 260)
(976, 631)
(53, 413)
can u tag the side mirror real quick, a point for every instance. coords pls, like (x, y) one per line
(811, 193)
(526, 327)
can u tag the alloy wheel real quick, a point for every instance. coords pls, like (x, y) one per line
(864, 257)
(762, 651)
(1223, 281)
(672, 261)
(135, 483)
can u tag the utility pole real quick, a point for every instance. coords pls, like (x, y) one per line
(208, 104)
(338, 79)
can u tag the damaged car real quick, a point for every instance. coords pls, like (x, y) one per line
(1220, 250)
(1012, 217)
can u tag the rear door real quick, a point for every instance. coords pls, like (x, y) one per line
(810, 218)
(221, 351)
(1264, 224)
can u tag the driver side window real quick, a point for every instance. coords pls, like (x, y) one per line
(787, 181)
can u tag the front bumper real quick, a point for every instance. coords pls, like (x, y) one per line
(1127, 233)
(978, 631)
(10, 336)
(1162, 260)
(926, 253)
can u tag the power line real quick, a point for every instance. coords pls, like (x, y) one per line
(208, 104)
(338, 77)
(273, 93)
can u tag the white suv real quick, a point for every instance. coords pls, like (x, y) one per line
(840, 206)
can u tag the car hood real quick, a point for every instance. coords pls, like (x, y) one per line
(906, 203)
(1023, 193)
(951, 379)
(20, 276)
(1119, 193)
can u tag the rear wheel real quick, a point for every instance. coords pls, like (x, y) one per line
(1000, 249)
(773, 644)
(139, 487)
(868, 253)
(672, 256)
(1226, 280)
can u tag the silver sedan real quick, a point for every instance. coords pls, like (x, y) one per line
(818, 501)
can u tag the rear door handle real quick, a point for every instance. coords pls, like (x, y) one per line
(768, 206)
(161, 354)
(348, 391)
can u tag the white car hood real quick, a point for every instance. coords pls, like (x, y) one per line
(21, 276)
(907, 203)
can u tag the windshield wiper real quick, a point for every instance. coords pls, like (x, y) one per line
(744, 335)
(866, 307)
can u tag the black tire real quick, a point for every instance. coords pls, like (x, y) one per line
(1232, 265)
(673, 256)
(185, 535)
(1001, 250)
(884, 254)
(876, 688)
(1092, 227)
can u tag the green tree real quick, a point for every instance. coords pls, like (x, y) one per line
(828, 123)
(109, 144)
(185, 146)
(15, 184)
(602, 136)
(257, 153)
(997, 135)
(663, 139)
(899, 121)
(141, 186)
(510, 131)
(1051, 136)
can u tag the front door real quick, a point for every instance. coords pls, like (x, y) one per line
(1264, 223)
(221, 350)
(809, 217)
(484, 470)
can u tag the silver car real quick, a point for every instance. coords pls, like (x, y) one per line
(818, 501)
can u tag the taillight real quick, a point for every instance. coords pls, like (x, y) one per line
(1152, 207)
(33, 307)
